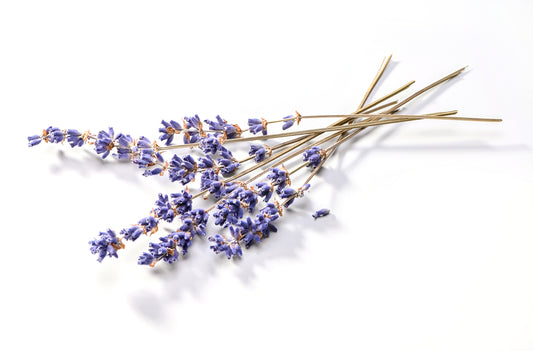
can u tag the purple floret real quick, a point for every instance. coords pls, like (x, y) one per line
(279, 178)
(220, 125)
(259, 152)
(288, 193)
(104, 142)
(182, 170)
(164, 250)
(106, 244)
(229, 211)
(168, 131)
(209, 176)
(182, 202)
(321, 213)
(257, 125)
(54, 135)
(313, 156)
(220, 244)
(34, 140)
(289, 123)
(227, 163)
(194, 129)
(74, 138)
(183, 240)
(205, 162)
(132, 233)
(210, 145)
(264, 190)
(146, 259)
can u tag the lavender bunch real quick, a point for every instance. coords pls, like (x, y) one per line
(246, 201)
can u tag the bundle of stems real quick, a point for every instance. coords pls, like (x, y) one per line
(237, 191)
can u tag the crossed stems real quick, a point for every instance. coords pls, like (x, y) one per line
(370, 120)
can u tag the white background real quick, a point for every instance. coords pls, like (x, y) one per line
(429, 245)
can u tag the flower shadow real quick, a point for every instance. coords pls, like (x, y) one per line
(192, 275)
(86, 163)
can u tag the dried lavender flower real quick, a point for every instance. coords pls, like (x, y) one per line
(321, 213)
(221, 176)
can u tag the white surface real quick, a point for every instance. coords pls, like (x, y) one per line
(429, 245)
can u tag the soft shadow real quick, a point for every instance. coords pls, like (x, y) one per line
(448, 147)
(150, 306)
(363, 152)
(193, 273)
(86, 163)
(286, 244)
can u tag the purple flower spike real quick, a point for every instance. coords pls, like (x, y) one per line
(194, 222)
(260, 152)
(194, 129)
(288, 193)
(183, 240)
(56, 135)
(208, 177)
(144, 143)
(74, 138)
(231, 131)
(279, 178)
(164, 250)
(257, 125)
(210, 145)
(250, 238)
(305, 187)
(264, 224)
(153, 171)
(227, 163)
(313, 156)
(34, 140)
(132, 233)
(291, 194)
(217, 188)
(125, 147)
(205, 162)
(124, 141)
(321, 213)
(264, 190)
(270, 211)
(53, 135)
(217, 125)
(287, 124)
(104, 142)
(193, 122)
(229, 212)
(146, 259)
(220, 188)
(246, 230)
(145, 155)
(290, 120)
(168, 131)
(248, 199)
(164, 208)
(106, 244)
(222, 245)
(182, 170)
(182, 202)
(144, 226)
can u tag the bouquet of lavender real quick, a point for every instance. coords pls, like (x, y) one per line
(245, 196)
